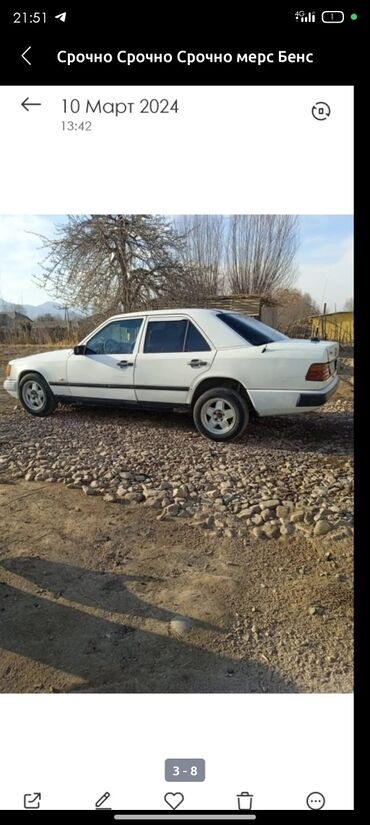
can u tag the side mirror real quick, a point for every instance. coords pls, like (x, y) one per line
(79, 349)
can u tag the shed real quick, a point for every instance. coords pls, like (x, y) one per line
(262, 307)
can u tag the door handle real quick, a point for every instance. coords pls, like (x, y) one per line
(196, 362)
(124, 363)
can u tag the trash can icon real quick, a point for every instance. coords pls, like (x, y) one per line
(245, 800)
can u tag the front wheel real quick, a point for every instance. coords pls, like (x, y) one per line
(35, 395)
(221, 414)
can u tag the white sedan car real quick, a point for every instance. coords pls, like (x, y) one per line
(221, 366)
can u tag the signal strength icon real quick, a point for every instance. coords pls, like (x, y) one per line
(305, 16)
(61, 17)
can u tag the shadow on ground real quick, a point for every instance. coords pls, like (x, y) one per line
(94, 588)
(90, 653)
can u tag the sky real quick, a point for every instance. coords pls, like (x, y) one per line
(324, 258)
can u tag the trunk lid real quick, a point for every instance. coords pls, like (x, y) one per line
(320, 350)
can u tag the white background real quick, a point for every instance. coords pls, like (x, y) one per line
(229, 150)
(74, 748)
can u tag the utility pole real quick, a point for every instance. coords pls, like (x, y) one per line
(66, 319)
(324, 322)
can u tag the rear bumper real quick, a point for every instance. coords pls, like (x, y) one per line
(319, 397)
(290, 402)
(11, 387)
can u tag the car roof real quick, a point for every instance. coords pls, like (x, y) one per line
(194, 311)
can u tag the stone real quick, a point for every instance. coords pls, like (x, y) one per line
(297, 517)
(181, 492)
(134, 497)
(155, 503)
(269, 503)
(180, 625)
(322, 527)
(286, 529)
(283, 512)
(257, 532)
(121, 491)
(89, 491)
(271, 531)
(253, 510)
(257, 519)
(109, 497)
(266, 514)
(172, 510)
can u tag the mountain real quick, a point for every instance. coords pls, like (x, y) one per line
(33, 312)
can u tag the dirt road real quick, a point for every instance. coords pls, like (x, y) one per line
(88, 594)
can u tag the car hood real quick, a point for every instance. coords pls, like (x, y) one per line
(54, 355)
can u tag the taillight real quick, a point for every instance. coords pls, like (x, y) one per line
(318, 372)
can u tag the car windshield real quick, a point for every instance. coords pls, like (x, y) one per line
(253, 331)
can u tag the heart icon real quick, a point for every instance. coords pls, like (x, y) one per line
(174, 800)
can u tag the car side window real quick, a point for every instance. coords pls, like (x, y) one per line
(165, 336)
(194, 341)
(118, 337)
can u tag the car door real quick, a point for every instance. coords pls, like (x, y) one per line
(173, 352)
(106, 370)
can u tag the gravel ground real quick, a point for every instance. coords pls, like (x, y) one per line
(286, 475)
(137, 556)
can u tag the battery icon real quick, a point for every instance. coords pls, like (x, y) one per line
(332, 16)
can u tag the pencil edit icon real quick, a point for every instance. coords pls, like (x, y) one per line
(102, 799)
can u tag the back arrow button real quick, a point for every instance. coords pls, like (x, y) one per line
(26, 58)
(26, 103)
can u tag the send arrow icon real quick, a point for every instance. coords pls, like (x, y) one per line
(61, 17)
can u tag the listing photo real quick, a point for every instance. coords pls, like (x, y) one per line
(176, 453)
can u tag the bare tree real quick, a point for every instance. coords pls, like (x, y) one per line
(203, 254)
(295, 309)
(261, 251)
(106, 263)
(348, 305)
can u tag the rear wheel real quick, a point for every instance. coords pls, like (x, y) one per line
(221, 414)
(35, 395)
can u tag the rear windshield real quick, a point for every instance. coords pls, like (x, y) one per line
(255, 332)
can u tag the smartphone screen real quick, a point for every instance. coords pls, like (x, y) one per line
(176, 411)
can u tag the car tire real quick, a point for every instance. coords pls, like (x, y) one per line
(221, 414)
(36, 396)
